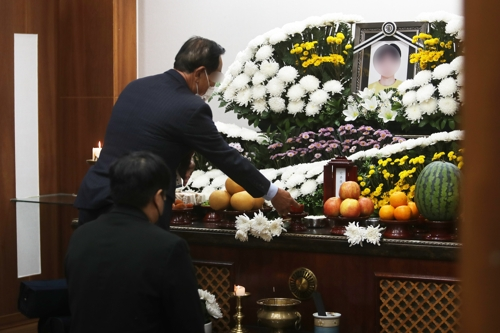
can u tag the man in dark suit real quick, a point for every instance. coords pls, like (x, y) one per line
(164, 114)
(126, 274)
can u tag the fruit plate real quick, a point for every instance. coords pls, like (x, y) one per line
(340, 222)
(397, 229)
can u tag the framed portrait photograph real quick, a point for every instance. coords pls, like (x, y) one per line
(382, 54)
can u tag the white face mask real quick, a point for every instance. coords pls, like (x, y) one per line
(206, 96)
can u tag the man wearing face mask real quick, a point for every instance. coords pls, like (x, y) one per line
(126, 274)
(167, 115)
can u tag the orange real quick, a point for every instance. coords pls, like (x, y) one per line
(219, 200)
(232, 187)
(398, 199)
(414, 210)
(386, 212)
(402, 213)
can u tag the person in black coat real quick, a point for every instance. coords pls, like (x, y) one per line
(166, 115)
(126, 274)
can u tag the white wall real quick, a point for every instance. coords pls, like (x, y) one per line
(164, 25)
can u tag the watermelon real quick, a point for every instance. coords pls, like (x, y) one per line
(437, 191)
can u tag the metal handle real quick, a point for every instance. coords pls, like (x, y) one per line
(298, 321)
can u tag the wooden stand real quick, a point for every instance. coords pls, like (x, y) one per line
(335, 173)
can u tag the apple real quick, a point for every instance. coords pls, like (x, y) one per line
(350, 208)
(349, 190)
(297, 209)
(367, 207)
(332, 206)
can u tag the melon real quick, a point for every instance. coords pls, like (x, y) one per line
(219, 200)
(232, 187)
(258, 203)
(242, 201)
(437, 191)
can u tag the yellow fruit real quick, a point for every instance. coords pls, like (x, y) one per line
(398, 199)
(258, 203)
(219, 200)
(414, 210)
(232, 187)
(386, 212)
(242, 201)
(402, 213)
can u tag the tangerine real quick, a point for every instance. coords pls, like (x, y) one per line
(398, 199)
(414, 210)
(386, 212)
(232, 187)
(402, 213)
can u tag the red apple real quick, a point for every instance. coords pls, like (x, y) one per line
(331, 207)
(297, 209)
(349, 190)
(350, 208)
(367, 207)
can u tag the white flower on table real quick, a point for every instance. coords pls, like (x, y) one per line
(355, 234)
(373, 235)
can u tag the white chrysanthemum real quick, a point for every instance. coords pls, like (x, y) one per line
(270, 174)
(235, 68)
(245, 55)
(355, 234)
(442, 71)
(219, 181)
(266, 235)
(277, 104)
(214, 173)
(214, 310)
(422, 77)
(454, 26)
(460, 34)
(319, 97)
(314, 171)
(258, 91)
(287, 74)
(457, 64)
(295, 180)
(333, 86)
(308, 187)
(460, 79)
(243, 223)
(366, 93)
(240, 82)
(313, 21)
(259, 105)
(294, 28)
(258, 78)
(229, 94)
(287, 173)
(276, 227)
(409, 98)
(351, 113)
(373, 235)
(370, 103)
(269, 69)
(320, 179)
(310, 83)
(405, 85)
(447, 87)
(436, 16)
(243, 97)
(197, 173)
(264, 53)
(208, 190)
(260, 222)
(312, 109)
(413, 113)
(295, 107)
(228, 78)
(275, 87)
(429, 106)
(256, 42)
(201, 181)
(448, 106)
(269, 33)
(241, 235)
(387, 114)
(278, 36)
(232, 131)
(461, 95)
(296, 92)
(425, 92)
(294, 192)
(250, 68)
(206, 296)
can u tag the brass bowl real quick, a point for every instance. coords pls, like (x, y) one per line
(278, 313)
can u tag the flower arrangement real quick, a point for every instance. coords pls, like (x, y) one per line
(210, 305)
(291, 71)
(258, 226)
(357, 235)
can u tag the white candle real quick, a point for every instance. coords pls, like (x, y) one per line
(239, 290)
(96, 152)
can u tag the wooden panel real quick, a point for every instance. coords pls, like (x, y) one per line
(124, 44)
(345, 281)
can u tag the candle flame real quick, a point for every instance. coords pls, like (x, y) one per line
(99, 144)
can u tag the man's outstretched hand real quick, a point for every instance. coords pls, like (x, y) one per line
(282, 202)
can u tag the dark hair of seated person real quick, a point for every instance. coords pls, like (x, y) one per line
(136, 177)
(391, 50)
(197, 52)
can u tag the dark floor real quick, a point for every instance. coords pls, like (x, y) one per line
(31, 328)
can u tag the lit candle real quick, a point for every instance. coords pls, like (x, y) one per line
(239, 291)
(96, 152)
